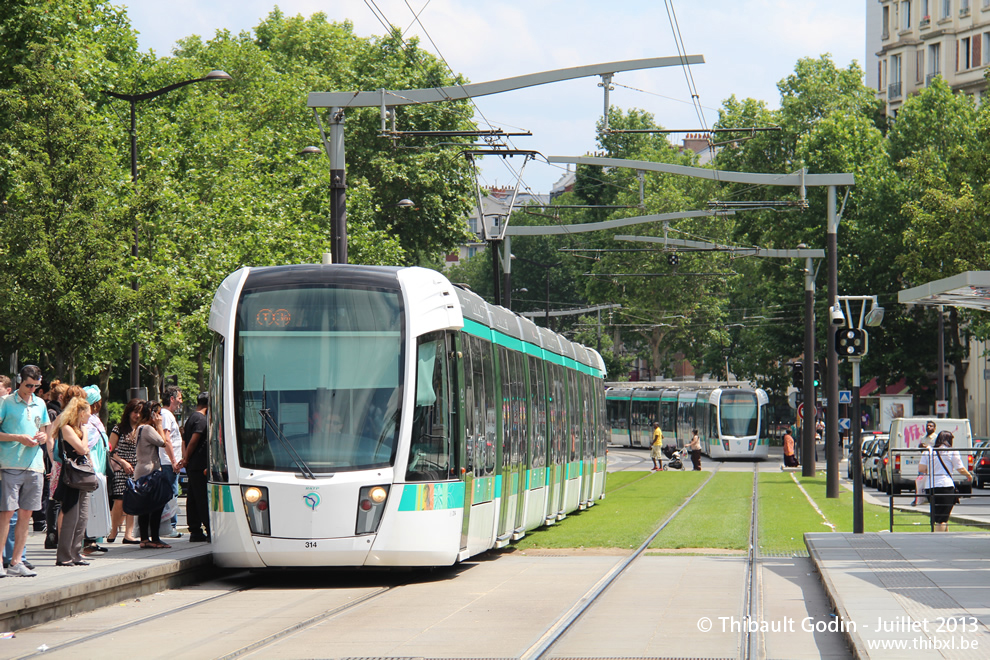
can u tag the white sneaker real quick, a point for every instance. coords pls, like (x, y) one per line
(20, 570)
(174, 534)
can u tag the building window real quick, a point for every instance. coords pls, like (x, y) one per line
(964, 55)
(934, 62)
(894, 89)
(906, 14)
(886, 22)
(919, 68)
(946, 8)
(986, 48)
(964, 7)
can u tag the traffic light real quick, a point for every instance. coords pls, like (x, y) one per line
(817, 381)
(850, 342)
(797, 374)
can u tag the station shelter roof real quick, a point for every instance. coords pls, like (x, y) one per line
(970, 289)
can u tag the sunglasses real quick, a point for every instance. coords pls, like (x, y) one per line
(33, 386)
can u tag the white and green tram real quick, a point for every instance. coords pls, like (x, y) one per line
(376, 416)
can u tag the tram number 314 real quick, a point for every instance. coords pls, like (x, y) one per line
(310, 544)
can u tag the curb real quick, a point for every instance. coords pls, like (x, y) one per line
(19, 612)
(853, 640)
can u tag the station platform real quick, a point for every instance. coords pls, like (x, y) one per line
(894, 595)
(123, 572)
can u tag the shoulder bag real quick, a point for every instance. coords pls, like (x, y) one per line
(955, 500)
(148, 493)
(77, 472)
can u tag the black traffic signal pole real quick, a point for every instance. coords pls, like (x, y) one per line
(810, 403)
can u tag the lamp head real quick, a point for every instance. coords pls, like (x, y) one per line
(875, 316)
(217, 74)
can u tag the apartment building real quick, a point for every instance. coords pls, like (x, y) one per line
(922, 39)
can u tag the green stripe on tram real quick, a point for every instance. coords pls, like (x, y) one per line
(502, 339)
(221, 499)
(432, 497)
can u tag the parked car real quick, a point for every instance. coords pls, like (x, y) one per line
(981, 469)
(866, 447)
(871, 465)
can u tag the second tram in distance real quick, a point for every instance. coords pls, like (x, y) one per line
(732, 422)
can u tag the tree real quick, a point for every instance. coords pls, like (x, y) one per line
(59, 246)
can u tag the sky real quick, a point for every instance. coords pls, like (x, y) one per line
(748, 46)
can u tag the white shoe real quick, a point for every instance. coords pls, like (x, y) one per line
(20, 570)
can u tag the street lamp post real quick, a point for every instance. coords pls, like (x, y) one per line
(136, 390)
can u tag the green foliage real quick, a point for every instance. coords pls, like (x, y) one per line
(60, 247)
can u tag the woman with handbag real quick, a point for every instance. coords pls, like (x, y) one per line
(74, 496)
(938, 467)
(149, 438)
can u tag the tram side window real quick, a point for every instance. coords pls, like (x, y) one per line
(519, 435)
(485, 359)
(538, 407)
(480, 406)
(217, 453)
(431, 451)
(472, 455)
(558, 414)
(574, 417)
(588, 417)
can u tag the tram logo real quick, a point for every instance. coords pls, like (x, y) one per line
(312, 500)
(279, 318)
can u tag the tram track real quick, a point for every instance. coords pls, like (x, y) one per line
(110, 632)
(556, 631)
(753, 645)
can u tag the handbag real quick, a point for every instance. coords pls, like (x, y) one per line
(146, 494)
(955, 489)
(77, 472)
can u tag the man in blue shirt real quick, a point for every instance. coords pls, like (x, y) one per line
(24, 430)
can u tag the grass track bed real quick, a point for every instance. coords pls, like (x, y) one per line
(625, 518)
(718, 518)
(785, 515)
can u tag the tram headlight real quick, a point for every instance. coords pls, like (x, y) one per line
(256, 507)
(371, 506)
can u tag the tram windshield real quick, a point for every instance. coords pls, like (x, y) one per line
(327, 364)
(739, 416)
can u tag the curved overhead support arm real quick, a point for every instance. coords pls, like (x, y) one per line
(381, 98)
(798, 179)
(609, 224)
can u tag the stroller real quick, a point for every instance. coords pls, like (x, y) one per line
(673, 458)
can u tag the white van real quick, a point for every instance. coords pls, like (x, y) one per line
(907, 432)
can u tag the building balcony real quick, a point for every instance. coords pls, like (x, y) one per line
(925, 22)
(930, 77)
(963, 11)
(893, 91)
